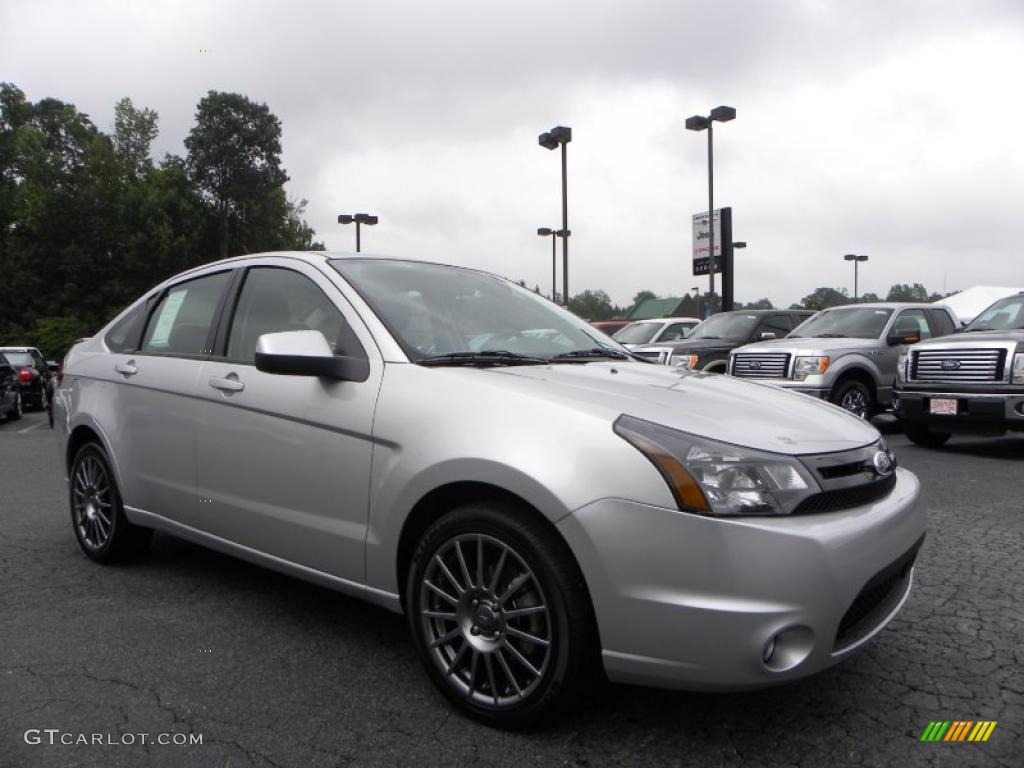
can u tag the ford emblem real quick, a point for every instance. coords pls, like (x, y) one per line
(884, 463)
(950, 365)
(755, 365)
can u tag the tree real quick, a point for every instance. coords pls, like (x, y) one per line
(592, 305)
(759, 304)
(824, 297)
(234, 160)
(869, 298)
(643, 296)
(134, 131)
(904, 292)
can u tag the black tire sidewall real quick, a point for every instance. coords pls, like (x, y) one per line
(538, 552)
(845, 387)
(108, 551)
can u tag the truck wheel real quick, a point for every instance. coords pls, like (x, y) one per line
(919, 434)
(855, 397)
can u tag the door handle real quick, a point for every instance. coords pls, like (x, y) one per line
(229, 383)
(127, 369)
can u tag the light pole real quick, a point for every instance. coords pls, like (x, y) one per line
(561, 136)
(856, 262)
(553, 233)
(359, 218)
(699, 123)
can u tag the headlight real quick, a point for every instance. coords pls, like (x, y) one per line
(901, 366)
(682, 360)
(712, 478)
(809, 366)
(1017, 374)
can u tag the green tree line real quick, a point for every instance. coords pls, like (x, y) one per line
(88, 220)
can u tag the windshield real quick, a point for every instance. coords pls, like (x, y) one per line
(637, 333)
(730, 326)
(845, 322)
(434, 310)
(20, 358)
(1005, 315)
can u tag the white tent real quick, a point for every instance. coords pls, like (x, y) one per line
(970, 303)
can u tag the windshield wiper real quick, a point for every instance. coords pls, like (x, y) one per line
(484, 357)
(592, 353)
(830, 336)
(702, 337)
(979, 328)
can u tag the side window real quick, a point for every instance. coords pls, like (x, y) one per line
(182, 321)
(275, 299)
(674, 332)
(941, 322)
(777, 324)
(912, 322)
(123, 336)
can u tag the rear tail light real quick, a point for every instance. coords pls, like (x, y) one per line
(25, 374)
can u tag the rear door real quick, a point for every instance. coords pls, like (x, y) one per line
(284, 461)
(150, 416)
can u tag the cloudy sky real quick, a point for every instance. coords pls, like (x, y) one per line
(893, 129)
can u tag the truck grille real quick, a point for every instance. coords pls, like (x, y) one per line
(969, 364)
(766, 365)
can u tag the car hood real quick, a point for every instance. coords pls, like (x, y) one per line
(693, 345)
(707, 404)
(809, 344)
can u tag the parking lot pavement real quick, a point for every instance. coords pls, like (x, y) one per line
(275, 672)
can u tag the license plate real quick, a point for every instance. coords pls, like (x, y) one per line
(942, 407)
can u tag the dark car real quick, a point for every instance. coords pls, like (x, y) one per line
(708, 345)
(971, 382)
(10, 392)
(34, 375)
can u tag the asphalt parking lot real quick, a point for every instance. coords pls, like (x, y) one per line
(274, 672)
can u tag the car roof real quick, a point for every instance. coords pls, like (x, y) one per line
(19, 349)
(891, 305)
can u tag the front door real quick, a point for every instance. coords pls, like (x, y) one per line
(284, 461)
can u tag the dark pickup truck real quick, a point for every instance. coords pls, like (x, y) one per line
(971, 382)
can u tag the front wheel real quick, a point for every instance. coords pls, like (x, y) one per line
(97, 514)
(919, 434)
(855, 397)
(19, 408)
(500, 615)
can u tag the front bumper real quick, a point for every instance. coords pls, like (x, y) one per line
(686, 601)
(977, 413)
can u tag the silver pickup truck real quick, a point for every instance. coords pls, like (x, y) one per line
(846, 355)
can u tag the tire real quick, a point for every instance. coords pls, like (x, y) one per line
(475, 652)
(855, 397)
(919, 434)
(19, 409)
(718, 366)
(97, 513)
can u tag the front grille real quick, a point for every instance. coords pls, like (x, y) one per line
(876, 600)
(846, 498)
(969, 364)
(760, 365)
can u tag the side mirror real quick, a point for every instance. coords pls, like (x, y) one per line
(52, 365)
(307, 353)
(766, 335)
(897, 339)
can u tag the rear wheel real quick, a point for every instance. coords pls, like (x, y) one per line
(97, 514)
(19, 408)
(500, 615)
(919, 434)
(856, 397)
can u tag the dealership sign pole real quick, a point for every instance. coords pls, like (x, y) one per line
(712, 246)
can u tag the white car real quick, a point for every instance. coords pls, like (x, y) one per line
(657, 330)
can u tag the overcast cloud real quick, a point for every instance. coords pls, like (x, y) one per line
(893, 129)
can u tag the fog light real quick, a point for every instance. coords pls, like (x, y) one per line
(788, 649)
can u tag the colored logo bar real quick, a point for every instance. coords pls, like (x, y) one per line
(958, 730)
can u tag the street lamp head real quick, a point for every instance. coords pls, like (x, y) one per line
(365, 218)
(344, 218)
(697, 123)
(554, 137)
(740, 244)
(723, 114)
(862, 258)
(854, 257)
(545, 231)
(563, 233)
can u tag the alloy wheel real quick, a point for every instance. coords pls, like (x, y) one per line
(856, 402)
(486, 620)
(92, 502)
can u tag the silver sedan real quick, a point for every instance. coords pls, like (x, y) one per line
(448, 445)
